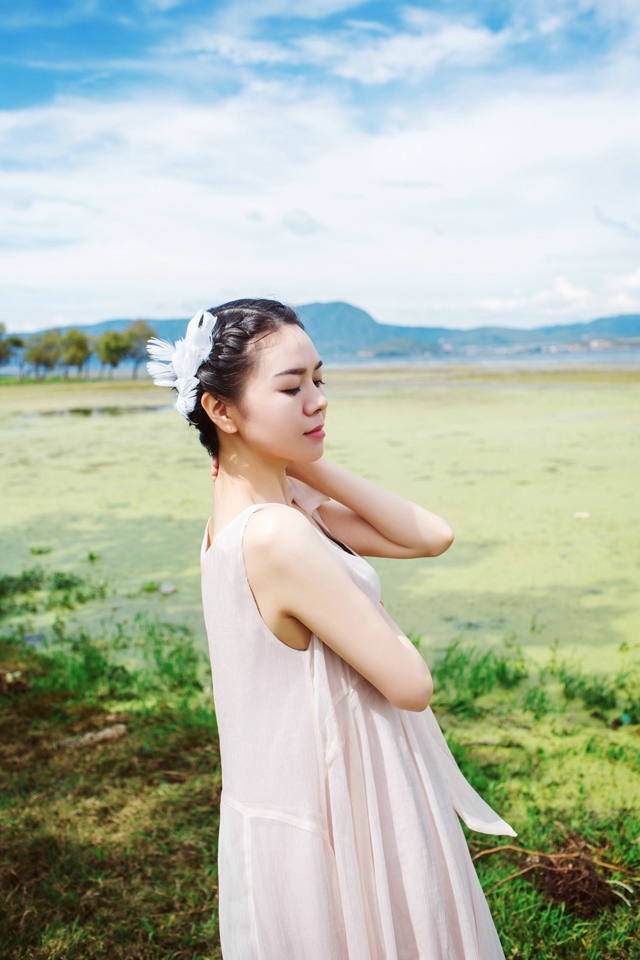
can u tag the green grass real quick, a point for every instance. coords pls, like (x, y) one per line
(109, 850)
(534, 748)
(531, 926)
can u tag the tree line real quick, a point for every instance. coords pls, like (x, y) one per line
(52, 349)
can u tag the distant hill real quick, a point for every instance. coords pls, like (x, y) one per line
(342, 331)
(344, 328)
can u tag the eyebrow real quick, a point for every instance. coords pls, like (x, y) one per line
(297, 371)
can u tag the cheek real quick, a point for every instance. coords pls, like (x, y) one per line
(271, 416)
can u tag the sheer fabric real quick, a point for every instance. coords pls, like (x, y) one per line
(339, 832)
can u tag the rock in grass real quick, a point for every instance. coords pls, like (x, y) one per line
(115, 718)
(115, 732)
(167, 588)
(11, 682)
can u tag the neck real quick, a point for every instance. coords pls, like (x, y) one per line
(246, 477)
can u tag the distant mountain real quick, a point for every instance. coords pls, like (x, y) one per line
(341, 331)
(347, 329)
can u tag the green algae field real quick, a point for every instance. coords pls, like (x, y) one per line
(509, 461)
(531, 622)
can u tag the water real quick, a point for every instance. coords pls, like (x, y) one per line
(110, 411)
(623, 359)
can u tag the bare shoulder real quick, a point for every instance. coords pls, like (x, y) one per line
(277, 533)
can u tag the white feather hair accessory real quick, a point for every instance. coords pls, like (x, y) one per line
(176, 364)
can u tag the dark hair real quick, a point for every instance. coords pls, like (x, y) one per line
(225, 372)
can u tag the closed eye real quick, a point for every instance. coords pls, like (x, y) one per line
(293, 390)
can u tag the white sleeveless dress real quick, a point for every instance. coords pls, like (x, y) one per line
(339, 833)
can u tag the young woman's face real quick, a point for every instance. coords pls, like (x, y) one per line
(283, 408)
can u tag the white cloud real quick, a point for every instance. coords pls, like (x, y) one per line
(300, 222)
(563, 296)
(478, 213)
(624, 303)
(562, 299)
(550, 24)
(625, 293)
(626, 226)
(495, 305)
(631, 281)
(363, 52)
(569, 292)
(406, 55)
(234, 48)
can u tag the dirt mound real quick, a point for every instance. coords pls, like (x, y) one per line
(569, 876)
(572, 879)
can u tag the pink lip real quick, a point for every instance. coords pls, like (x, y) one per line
(317, 433)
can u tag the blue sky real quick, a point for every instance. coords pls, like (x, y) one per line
(442, 163)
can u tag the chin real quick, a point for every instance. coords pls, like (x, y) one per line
(307, 456)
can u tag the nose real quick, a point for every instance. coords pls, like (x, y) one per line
(319, 402)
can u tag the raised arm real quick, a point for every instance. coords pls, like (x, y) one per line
(371, 520)
(293, 574)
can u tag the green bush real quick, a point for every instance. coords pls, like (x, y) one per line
(34, 590)
(125, 660)
(463, 673)
(16, 591)
(596, 692)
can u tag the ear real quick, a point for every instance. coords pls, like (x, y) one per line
(219, 413)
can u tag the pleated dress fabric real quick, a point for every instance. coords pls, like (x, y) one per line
(339, 832)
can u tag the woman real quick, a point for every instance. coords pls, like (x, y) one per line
(339, 837)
